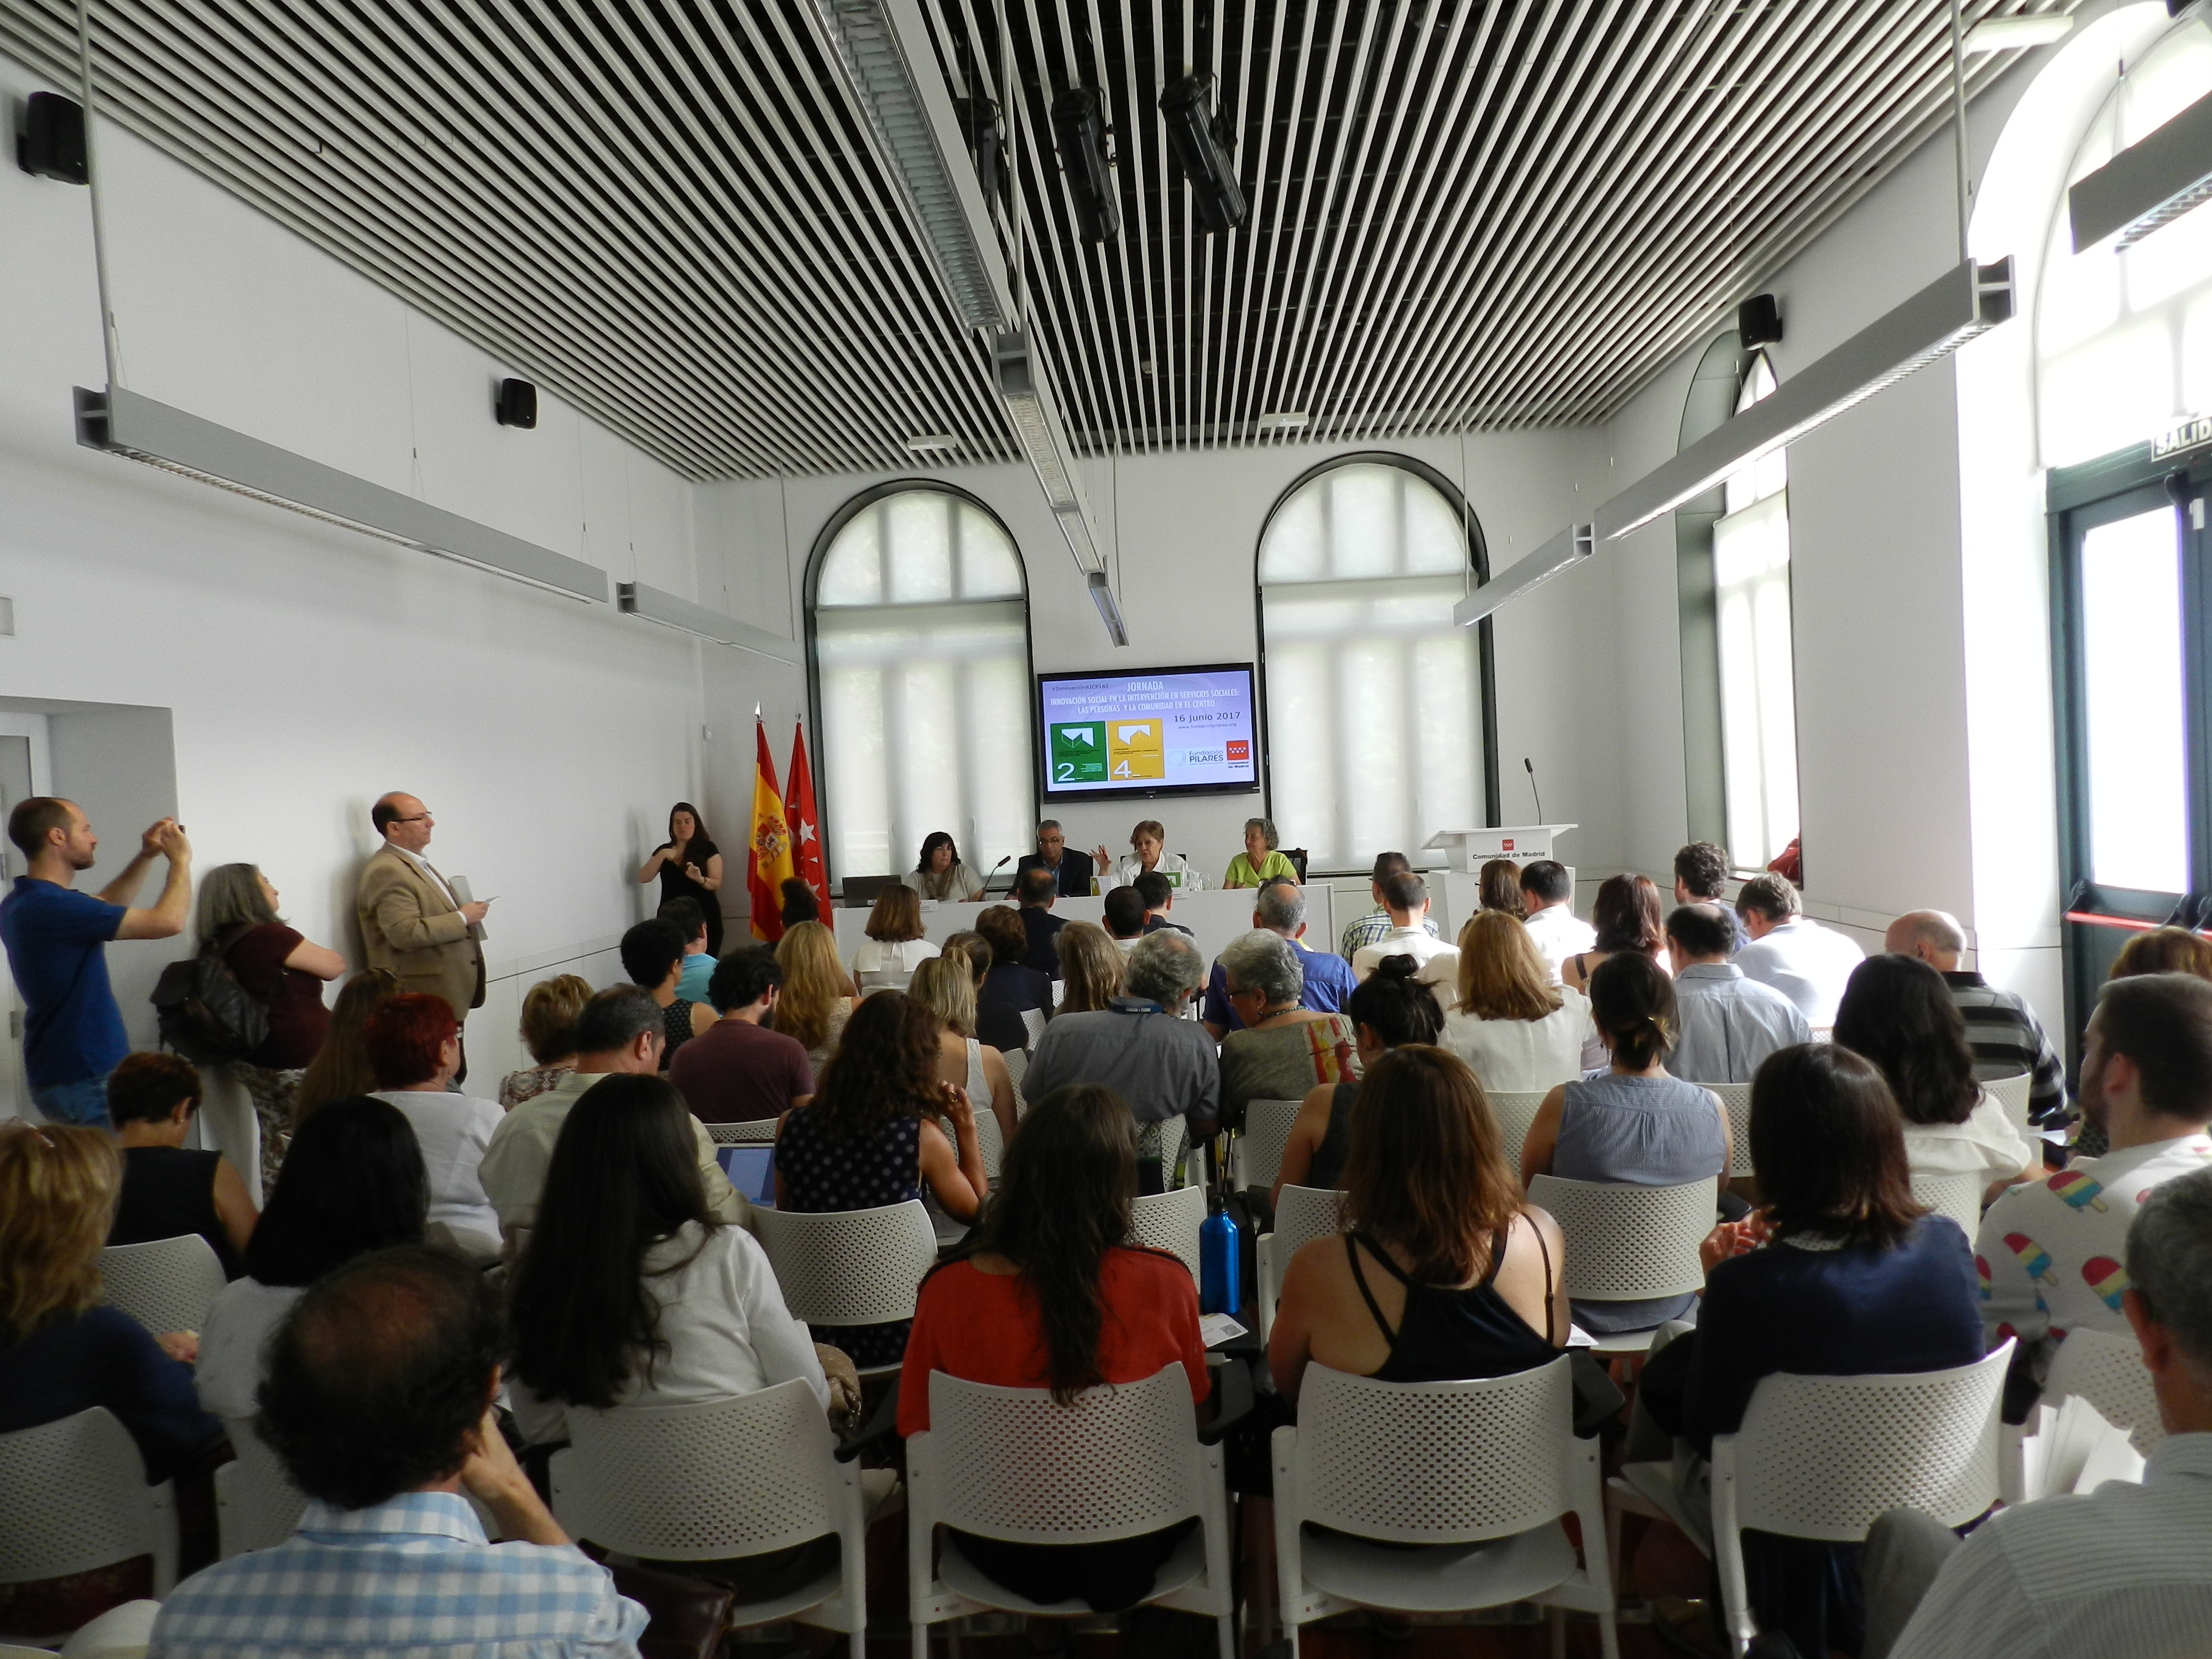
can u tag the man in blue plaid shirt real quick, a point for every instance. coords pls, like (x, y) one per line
(378, 1402)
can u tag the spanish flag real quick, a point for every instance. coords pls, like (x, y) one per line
(770, 865)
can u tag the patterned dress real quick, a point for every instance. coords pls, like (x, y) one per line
(823, 1172)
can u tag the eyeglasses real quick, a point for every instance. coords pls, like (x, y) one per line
(418, 817)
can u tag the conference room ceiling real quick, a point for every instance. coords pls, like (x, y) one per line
(1463, 216)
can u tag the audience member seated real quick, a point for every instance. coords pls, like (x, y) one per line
(415, 1047)
(1050, 1294)
(1406, 897)
(1260, 862)
(379, 1405)
(1498, 888)
(653, 957)
(1725, 1025)
(698, 960)
(1141, 1047)
(631, 1292)
(2050, 1252)
(549, 1032)
(2158, 950)
(353, 1182)
(2119, 1573)
(1547, 894)
(1324, 979)
(1898, 1013)
(1634, 1124)
(1807, 962)
(2002, 1030)
(281, 969)
(1387, 1010)
(1009, 988)
(881, 1126)
(940, 874)
(167, 1191)
(1070, 869)
(1443, 1273)
(1364, 931)
(61, 1352)
(1033, 893)
(1701, 876)
(1001, 1028)
(340, 1069)
(1158, 894)
(816, 997)
(1853, 1277)
(801, 903)
(1092, 966)
(946, 986)
(742, 1070)
(1124, 915)
(894, 947)
(1281, 1049)
(618, 1033)
(1519, 1031)
(1147, 844)
(1624, 921)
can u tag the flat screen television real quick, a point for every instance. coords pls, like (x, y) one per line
(1159, 731)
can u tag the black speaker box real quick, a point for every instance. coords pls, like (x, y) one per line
(50, 141)
(517, 404)
(1758, 321)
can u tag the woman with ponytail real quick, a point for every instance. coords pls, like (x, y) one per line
(1634, 1125)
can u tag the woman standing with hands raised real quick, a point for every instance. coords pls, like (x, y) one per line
(690, 866)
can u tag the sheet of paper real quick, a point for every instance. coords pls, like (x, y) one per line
(1214, 1330)
(458, 887)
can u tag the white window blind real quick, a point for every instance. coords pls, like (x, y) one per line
(1374, 697)
(921, 647)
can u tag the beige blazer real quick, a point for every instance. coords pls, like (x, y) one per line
(410, 927)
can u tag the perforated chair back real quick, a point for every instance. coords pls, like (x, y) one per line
(1033, 1023)
(990, 1141)
(1267, 1132)
(1958, 1196)
(1167, 1138)
(1018, 1068)
(1302, 1215)
(2108, 1371)
(1170, 1221)
(1515, 1111)
(1629, 1244)
(1736, 1097)
(257, 1506)
(76, 1498)
(167, 1286)
(759, 1133)
(848, 1266)
(2012, 1092)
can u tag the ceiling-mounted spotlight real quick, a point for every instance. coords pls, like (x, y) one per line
(986, 143)
(1080, 127)
(2016, 34)
(50, 142)
(1200, 140)
(1758, 322)
(931, 443)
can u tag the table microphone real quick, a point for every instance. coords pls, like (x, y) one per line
(995, 868)
(1531, 765)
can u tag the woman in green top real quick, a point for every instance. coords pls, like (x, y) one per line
(1259, 863)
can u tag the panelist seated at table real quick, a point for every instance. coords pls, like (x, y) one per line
(1069, 866)
(1147, 842)
(1260, 863)
(940, 873)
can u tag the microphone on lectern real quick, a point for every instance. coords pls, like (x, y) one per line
(1531, 765)
(995, 868)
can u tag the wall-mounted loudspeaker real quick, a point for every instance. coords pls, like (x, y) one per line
(1758, 321)
(1200, 138)
(1078, 125)
(516, 404)
(50, 139)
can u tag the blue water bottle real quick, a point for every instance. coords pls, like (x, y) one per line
(1220, 1272)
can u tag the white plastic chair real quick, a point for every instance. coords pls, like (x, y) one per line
(1516, 1112)
(1304, 1214)
(705, 1483)
(2012, 1093)
(1018, 1067)
(1736, 1097)
(990, 1141)
(1267, 1132)
(167, 1286)
(759, 1133)
(1171, 1221)
(256, 1504)
(2108, 1370)
(1958, 1196)
(1629, 1244)
(76, 1499)
(1008, 1463)
(1492, 1463)
(1033, 1023)
(849, 1266)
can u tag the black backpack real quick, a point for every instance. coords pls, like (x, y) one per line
(205, 1014)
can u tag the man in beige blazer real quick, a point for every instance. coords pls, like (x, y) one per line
(410, 922)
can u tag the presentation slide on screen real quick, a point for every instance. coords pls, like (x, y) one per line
(1178, 729)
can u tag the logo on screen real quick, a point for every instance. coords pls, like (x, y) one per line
(1240, 751)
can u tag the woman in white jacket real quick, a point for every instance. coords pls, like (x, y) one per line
(1147, 842)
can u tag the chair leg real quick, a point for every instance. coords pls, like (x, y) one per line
(921, 1640)
(1608, 1637)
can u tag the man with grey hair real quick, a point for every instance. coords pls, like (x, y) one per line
(2122, 1571)
(1142, 1047)
(2001, 1030)
(1069, 869)
(1280, 907)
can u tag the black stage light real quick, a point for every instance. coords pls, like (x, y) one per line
(1758, 321)
(986, 143)
(516, 404)
(50, 141)
(1199, 137)
(1081, 129)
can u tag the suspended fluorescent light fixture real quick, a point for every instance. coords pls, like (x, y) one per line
(883, 47)
(2148, 184)
(1109, 611)
(1570, 546)
(1285, 420)
(2017, 34)
(715, 627)
(931, 443)
(1028, 402)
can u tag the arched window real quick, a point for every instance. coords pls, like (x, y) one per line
(1376, 737)
(922, 658)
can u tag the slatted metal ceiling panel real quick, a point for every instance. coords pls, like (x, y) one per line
(1463, 214)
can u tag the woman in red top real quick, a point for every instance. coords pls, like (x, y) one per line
(1054, 1296)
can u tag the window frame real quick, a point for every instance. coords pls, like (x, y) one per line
(1478, 551)
(825, 538)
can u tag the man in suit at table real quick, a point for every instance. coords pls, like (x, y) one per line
(410, 922)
